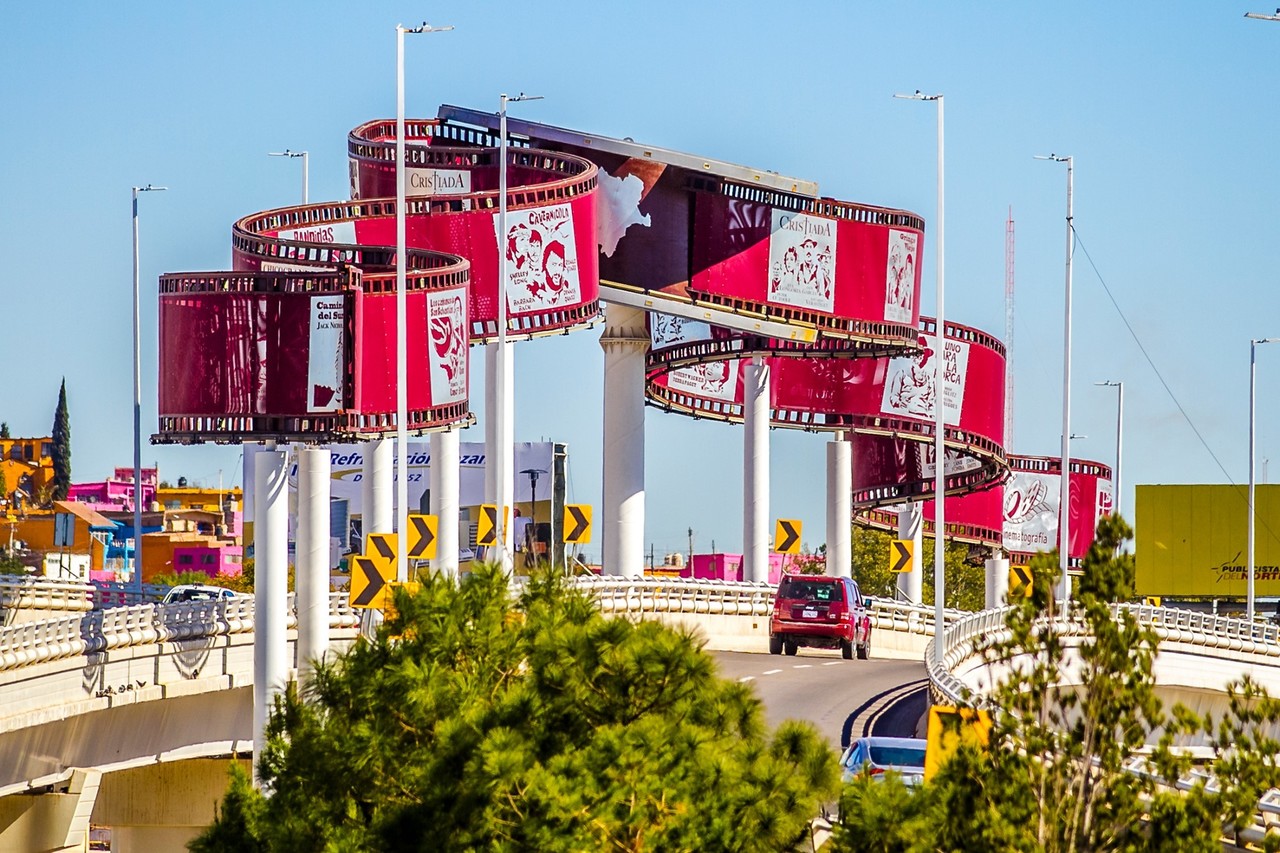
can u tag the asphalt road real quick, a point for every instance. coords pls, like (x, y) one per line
(838, 696)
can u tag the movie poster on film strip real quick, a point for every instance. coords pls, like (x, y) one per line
(542, 259)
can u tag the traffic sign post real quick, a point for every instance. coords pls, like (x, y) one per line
(577, 524)
(370, 582)
(1019, 581)
(487, 528)
(902, 556)
(421, 537)
(382, 548)
(786, 536)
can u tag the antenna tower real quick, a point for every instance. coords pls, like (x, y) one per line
(1008, 333)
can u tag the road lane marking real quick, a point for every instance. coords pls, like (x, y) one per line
(833, 663)
(803, 666)
(746, 678)
(772, 671)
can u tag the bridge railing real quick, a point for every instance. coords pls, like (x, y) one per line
(1184, 627)
(142, 624)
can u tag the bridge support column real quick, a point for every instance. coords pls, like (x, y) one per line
(910, 584)
(160, 806)
(445, 456)
(997, 582)
(312, 570)
(755, 491)
(377, 488)
(270, 586)
(625, 342)
(50, 823)
(499, 441)
(839, 507)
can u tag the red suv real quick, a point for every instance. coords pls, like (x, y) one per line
(820, 611)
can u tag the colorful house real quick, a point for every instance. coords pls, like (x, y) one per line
(26, 465)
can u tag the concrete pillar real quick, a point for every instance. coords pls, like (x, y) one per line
(311, 575)
(50, 823)
(445, 456)
(755, 480)
(247, 504)
(625, 342)
(377, 491)
(270, 586)
(839, 507)
(997, 582)
(499, 442)
(910, 584)
(160, 807)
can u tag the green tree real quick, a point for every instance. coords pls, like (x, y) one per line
(1055, 776)
(965, 583)
(61, 446)
(4, 429)
(482, 720)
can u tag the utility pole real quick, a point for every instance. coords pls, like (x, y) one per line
(690, 546)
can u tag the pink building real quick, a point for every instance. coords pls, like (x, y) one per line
(213, 559)
(728, 567)
(116, 493)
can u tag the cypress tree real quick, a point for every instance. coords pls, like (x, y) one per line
(4, 429)
(61, 447)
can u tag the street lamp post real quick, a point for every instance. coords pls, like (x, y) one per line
(294, 155)
(402, 312)
(533, 507)
(1064, 498)
(1253, 371)
(1115, 478)
(137, 398)
(939, 408)
(501, 460)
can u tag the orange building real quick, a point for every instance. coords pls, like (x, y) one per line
(38, 531)
(27, 466)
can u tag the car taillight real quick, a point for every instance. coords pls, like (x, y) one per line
(836, 612)
(877, 771)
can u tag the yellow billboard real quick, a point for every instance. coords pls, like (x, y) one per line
(1192, 541)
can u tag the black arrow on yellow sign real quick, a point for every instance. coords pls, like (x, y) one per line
(422, 537)
(382, 547)
(900, 555)
(367, 582)
(487, 527)
(787, 536)
(577, 523)
(1020, 580)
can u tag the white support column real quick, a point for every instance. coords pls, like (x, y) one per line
(755, 491)
(499, 441)
(625, 342)
(997, 582)
(911, 583)
(839, 507)
(445, 455)
(377, 492)
(248, 509)
(312, 571)
(270, 586)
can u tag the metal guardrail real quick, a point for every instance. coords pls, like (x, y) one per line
(1171, 625)
(142, 624)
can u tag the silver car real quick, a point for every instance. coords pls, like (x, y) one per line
(877, 755)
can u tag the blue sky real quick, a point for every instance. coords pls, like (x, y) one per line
(1170, 110)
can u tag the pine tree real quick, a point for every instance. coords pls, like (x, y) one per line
(479, 720)
(4, 429)
(61, 447)
(1055, 776)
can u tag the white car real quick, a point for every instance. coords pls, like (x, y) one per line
(876, 755)
(197, 592)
